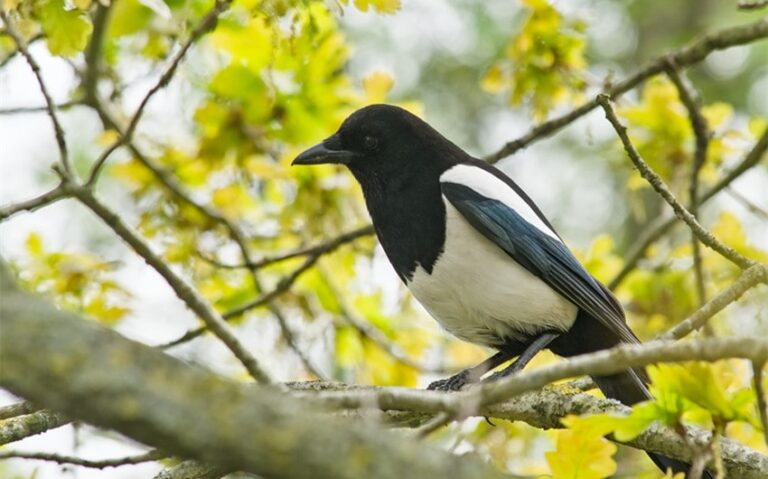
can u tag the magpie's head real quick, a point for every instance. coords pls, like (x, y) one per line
(381, 140)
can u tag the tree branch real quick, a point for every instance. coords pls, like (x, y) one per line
(762, 404)
(18, 409)
(94, 374)
(545, 409)
(692, 102)
(76, 461)
(265, 299)
(49, 104)
(183, 290)
(748, 279)
(17, 428)
(658, 184)
(192, 470)
(38, 109)
(691, 54)
(33, 204)
(205, 25)
(660, 226)
(257, 429)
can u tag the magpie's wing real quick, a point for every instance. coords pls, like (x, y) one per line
(539, 251)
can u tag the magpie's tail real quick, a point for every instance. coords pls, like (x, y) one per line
(628, 388)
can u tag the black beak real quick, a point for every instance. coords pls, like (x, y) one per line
(329, 151)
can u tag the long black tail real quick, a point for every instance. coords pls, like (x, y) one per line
(629, 389)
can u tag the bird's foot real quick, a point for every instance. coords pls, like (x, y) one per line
(453, 383)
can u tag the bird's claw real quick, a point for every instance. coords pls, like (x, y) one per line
(453, 383)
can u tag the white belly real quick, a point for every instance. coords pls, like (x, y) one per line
(479, 294)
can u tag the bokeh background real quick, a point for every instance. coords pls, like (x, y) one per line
(274, 78)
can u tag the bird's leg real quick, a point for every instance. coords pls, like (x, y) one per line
(470, 375)
(541, 342)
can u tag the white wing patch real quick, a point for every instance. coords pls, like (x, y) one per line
(480, 294)
(490, 186)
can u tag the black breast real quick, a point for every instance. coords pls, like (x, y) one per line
(409, 218)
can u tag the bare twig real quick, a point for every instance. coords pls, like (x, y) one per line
(691, 54)
(762, 405)
(183, 290)
(321, 248)
(658, 184)
(372, 333)
(170, 182)
(49, 103)
(13, 54)
(18, 409)
(265, 299)
(76, 461)
(692, 102)
(38, 109)
(747, 203)
(758, 369)
(33, 204)
(439, 420)
(748, 279)
(660, 226)
(206, 24)
(93, 58)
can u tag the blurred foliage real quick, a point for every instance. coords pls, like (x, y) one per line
(543, 63)
(276, 76)
(79, 282)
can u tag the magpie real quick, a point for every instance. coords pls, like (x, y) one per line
(477, 252)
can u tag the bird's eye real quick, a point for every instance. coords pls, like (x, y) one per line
(370, 142)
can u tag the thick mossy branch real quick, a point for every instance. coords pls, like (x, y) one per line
(96, 375)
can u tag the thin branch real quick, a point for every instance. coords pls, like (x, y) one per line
(692, 102)
(748, 204)
(371, 332)
(206, 24)
(636, 252)
(17, 428)
(661, 226)
(762, 405)
(324, 247)
(33, 204)
(439, 420)
(76, 461)
(169, 181)
(290, 338)
(691, 54)
(748, 279)
(50, 105)
(93, 57)
(38, 109)
(183, 290)
(282, 286)
(18, 409)
(658, 184)
(265, 299)
(12, 55)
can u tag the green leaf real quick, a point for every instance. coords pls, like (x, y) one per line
(66, 31)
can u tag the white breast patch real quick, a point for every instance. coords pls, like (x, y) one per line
(480, 294)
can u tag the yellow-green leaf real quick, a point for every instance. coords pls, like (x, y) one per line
(66, 31)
